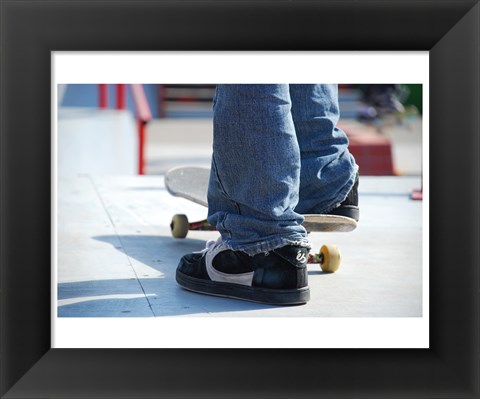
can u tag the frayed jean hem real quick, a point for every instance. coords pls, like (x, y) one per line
(269, 245)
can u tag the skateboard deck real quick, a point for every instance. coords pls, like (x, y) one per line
(191, 183)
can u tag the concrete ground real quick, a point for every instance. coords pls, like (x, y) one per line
(116, 257)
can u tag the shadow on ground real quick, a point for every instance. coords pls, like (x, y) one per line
(153, 293)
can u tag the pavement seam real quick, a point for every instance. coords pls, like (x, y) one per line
(95, 188)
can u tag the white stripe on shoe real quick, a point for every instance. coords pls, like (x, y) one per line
(215, 275)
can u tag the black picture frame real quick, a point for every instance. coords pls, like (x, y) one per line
(449, 30)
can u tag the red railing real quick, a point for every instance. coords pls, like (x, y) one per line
(143, 113)
(103, 96)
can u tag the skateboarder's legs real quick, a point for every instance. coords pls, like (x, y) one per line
(265, 136)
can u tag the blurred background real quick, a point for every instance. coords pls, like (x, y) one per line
(131, 129)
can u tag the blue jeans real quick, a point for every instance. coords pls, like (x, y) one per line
(277, 154)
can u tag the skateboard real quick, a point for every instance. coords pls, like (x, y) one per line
(191, 183)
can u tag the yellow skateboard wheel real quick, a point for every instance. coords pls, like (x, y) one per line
(179, 226)
(330, 258)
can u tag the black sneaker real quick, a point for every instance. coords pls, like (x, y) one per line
(278, 277)
(349, 207)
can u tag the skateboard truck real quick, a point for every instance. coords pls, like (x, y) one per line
(180, 226)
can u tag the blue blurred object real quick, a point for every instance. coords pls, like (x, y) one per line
(86, 96)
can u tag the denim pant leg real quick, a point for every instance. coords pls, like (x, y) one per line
(328, 169)
(255, 175)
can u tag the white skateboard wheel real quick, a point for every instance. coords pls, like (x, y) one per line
(179, 226)
(330, 258)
